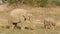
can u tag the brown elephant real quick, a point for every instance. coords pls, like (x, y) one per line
(49, 22)
(19, 16)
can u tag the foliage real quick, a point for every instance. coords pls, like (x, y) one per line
(31, 2)
(12, 2)
(57, 3)
(41, 3)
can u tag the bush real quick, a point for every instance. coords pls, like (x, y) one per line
(57, 3)
(12, 2)
(43, 3)
(31, 2)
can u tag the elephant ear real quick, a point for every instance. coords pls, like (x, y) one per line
(18, 14)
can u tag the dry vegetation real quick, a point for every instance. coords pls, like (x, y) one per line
(38, 16)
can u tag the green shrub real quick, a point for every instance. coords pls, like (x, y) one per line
(31, 2)
(57, 3)
(12, 2)
(43, 3)
(38, 2)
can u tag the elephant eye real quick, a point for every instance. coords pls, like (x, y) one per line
(24, 18)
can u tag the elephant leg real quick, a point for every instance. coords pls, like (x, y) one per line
(15, 25)
(22, 23)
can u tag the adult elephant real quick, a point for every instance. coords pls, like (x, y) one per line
(19, 16)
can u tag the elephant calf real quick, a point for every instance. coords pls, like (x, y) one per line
(48, 23)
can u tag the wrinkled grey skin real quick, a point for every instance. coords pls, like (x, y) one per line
(49, 23)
